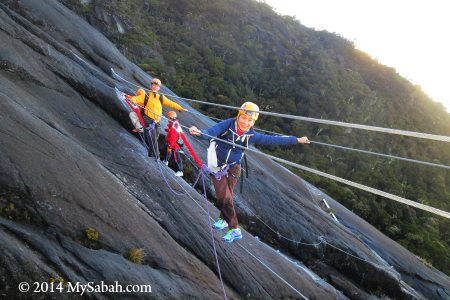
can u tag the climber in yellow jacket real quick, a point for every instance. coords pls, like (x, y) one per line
(152, 109)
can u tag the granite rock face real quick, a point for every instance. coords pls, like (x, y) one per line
(78, 192)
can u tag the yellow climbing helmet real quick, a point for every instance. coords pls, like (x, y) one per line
(250, 106)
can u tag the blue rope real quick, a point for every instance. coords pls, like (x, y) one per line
(218, 175)
(150, 130)
(160, 169)
(239, 244)
(212, 235)
(200, 174)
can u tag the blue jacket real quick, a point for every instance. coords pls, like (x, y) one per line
(226, 130)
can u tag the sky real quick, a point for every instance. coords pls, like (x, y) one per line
(412, 36)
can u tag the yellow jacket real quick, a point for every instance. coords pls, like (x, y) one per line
(154, 108)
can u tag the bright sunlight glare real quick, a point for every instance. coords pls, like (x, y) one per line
(410, 36)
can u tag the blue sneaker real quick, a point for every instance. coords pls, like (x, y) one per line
(232, 234)
(220, 224)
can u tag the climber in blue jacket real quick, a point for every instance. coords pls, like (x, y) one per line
(237, 131)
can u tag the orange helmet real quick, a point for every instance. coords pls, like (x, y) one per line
(140, 92)
(250, 106)
(172, 115)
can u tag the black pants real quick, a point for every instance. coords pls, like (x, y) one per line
(176, 156)
(151, 135)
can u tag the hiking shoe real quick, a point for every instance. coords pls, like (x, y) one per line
(179, 173)
(220, 224)
(232, 234)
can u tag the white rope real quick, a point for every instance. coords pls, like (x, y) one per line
(339, 179)
(359, 150)
(385, 155)
(259, 260)
(297, 242)
(273, 272)
(345, 181)
(366, 188)
(435, 137)
(359, 258)
(321, 238)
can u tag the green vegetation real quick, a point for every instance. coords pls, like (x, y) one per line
(7, 209)
(136, 255)
(58, 279)
(92, 234)
(330, 211)
(91, 238)
(228, 51)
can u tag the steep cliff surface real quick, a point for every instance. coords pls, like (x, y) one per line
(69, 163)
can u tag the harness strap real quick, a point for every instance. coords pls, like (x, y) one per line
(219, 174)
(147, 96)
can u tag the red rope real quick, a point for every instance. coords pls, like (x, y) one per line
(197, 160)
(136, 109)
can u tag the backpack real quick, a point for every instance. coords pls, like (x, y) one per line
(211, 153)
(180, 141)
(146, 101)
